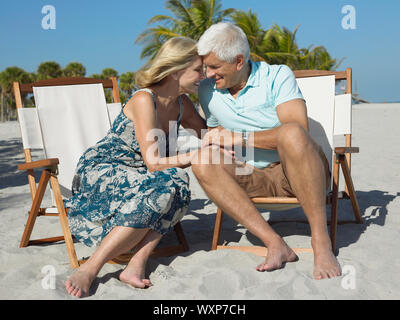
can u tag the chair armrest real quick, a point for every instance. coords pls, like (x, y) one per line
(38, 164)
(343, 150)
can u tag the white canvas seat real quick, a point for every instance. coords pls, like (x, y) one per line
(329, 115)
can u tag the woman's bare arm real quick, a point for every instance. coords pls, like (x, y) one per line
(140, 110)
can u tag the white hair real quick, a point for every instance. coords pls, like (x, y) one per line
(226, 40)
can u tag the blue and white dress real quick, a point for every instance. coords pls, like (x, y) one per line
(113, 187)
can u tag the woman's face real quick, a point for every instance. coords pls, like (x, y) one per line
(189, 78)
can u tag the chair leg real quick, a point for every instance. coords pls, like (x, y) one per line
(181, 236)
(350, 190)
(217, 229)
(64, 223)
(44, 179)
(334, 205)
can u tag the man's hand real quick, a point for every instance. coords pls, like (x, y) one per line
(222, 137)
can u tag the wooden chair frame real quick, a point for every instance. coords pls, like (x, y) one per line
(342, 159)
(49, 173)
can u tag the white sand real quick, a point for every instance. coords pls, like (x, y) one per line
(369, 253)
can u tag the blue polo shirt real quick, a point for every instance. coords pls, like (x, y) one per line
(254, 109)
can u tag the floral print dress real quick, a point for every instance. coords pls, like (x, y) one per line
(113, 187)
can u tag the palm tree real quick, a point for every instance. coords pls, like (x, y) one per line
(319, 59)
(190, 19)
(278, 45)
(106, 73)
(96, 76)
(127, 85)
(7, 77)
(48, 70)
(251, 26)
(74, 69)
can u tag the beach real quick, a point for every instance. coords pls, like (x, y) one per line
(369, 253)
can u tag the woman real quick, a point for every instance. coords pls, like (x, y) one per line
(125, 193)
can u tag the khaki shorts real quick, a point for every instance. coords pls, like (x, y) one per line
(271, 181)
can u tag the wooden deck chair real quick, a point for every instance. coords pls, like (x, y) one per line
(329, 115)
(71, 115)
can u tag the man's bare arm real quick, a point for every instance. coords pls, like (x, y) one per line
(293, 111)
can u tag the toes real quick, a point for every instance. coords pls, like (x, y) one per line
(139, 284)
(332, 274)
(268, 267)
(261, 267)
(147, 282)
(68, 285)
(75, 292)
(335, 273)
(319, 275)
(70, 288)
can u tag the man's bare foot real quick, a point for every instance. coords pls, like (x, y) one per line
(79, 283)
(134, 276)
(325, 263)
(278, 254)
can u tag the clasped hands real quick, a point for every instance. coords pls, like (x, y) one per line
(225, 139)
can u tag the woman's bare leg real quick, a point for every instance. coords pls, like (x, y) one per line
(118, 241)
(134, 273)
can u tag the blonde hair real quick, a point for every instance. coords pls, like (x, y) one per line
(175, 54)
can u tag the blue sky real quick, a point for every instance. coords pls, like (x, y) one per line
(101, 34)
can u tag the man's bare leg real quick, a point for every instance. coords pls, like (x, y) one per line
(120, 240)
(304, 168)
(218, 181)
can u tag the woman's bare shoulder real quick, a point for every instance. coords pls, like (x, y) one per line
(140, 103)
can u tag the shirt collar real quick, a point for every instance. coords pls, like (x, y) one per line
(254, 78)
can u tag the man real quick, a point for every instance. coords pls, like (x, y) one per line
(241, 95)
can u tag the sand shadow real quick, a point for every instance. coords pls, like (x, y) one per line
(373, 208)
(104, 279)
(12, 154)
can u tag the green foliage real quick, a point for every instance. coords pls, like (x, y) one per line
(7, 77)
(74, 69)
(11, 74)
(276, 45)
(189, 18)
(126, 85)
(48, 70)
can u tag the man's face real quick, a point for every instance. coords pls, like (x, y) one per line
(225, 74)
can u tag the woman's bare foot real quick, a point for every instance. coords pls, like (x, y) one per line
(79, 283)
(325, 263)
(278, 254)
(134, 276)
